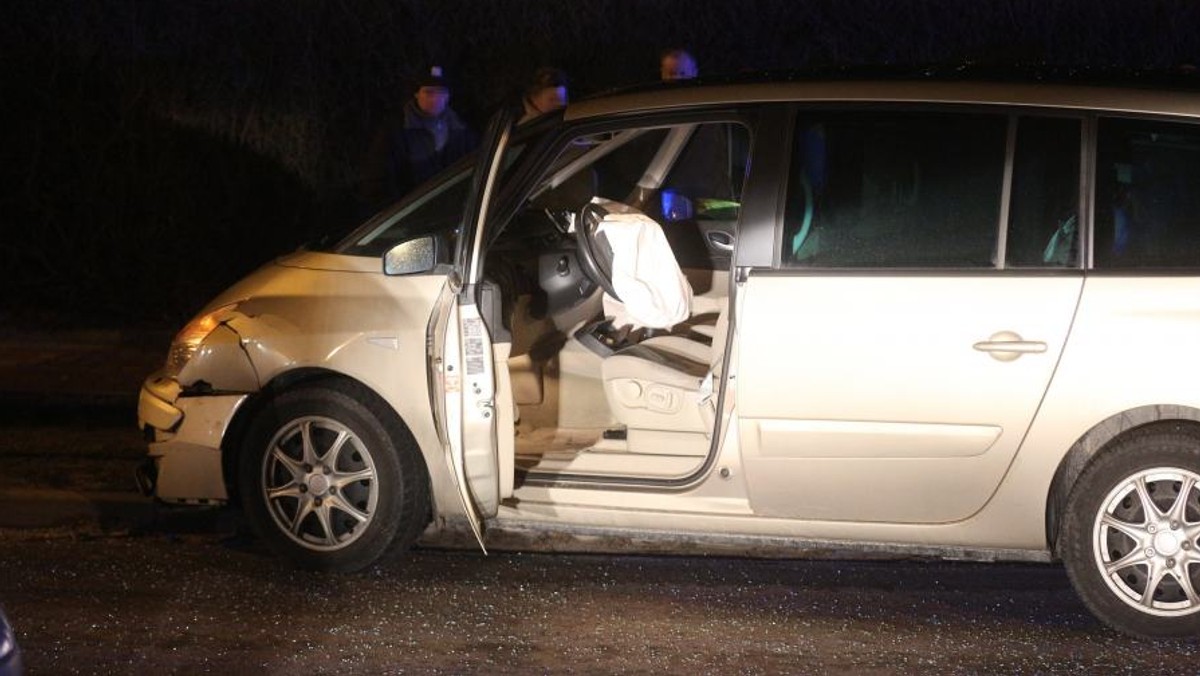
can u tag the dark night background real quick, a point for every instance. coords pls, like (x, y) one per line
(156, 150)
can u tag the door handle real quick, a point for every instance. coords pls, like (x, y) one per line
(720, 240)
(1008, 345)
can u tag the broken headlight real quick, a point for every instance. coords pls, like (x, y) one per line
(187, 341)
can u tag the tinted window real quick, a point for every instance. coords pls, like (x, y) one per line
(894, 189)
(436, 209)
(1147, 195)
(1043, 214)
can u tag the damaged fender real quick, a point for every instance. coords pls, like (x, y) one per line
(185, 418)
(220, 365)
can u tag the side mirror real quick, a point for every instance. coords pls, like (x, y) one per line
(676, 207)
(411, 257)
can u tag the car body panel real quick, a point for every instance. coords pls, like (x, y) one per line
(1108, 345)
(1058, 96)
(478, 413)
(189, 460)
(220, 365)
(888, 397)
(155, 403)
(465, 356)
(339, 315)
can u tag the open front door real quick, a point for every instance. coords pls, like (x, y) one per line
(462, 371)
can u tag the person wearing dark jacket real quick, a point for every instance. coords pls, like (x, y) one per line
(425, 138)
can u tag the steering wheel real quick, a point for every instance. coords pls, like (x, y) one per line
(595, 255)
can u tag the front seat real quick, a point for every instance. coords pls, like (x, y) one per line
(658, 384)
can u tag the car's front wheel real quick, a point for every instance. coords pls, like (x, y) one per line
(1131, 534)
(327, 482)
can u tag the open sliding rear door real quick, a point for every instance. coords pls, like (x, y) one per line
(462, 370)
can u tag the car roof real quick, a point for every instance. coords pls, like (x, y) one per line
(1123, 91)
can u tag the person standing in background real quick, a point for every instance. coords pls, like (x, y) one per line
(426, 137)
(546, 92)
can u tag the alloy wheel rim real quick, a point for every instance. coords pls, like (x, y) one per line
(319, 483)
(1145, 541)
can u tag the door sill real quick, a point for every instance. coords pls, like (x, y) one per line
(520, 534)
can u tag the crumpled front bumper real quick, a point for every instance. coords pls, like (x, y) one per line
(184, 435)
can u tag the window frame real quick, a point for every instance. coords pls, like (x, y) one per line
(1093, 158)
(1083, 190)
(750, 116)
(1012, 115)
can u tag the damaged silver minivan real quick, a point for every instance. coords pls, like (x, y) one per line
(952, 319)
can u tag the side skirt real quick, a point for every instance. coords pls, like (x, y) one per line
(540, 536)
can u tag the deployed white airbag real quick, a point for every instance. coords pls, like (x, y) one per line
(654, 292)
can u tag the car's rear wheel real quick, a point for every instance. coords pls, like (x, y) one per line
(327, 482)
(1131, 534)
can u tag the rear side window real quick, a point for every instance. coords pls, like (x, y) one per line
(1147, 195)
(894, 190)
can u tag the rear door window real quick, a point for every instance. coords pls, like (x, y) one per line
(1147, 195)
(895, 189)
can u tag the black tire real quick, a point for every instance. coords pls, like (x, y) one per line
(1127, 598)
(336, 511)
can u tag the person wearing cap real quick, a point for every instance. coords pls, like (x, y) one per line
(425, 138)
(546, 92)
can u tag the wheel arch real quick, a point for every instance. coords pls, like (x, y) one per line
(1099, 437)
(232, 443)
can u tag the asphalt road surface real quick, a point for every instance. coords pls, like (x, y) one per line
(193, 595)
(212, 602)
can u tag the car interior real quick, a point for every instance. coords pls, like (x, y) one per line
(624, 224)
